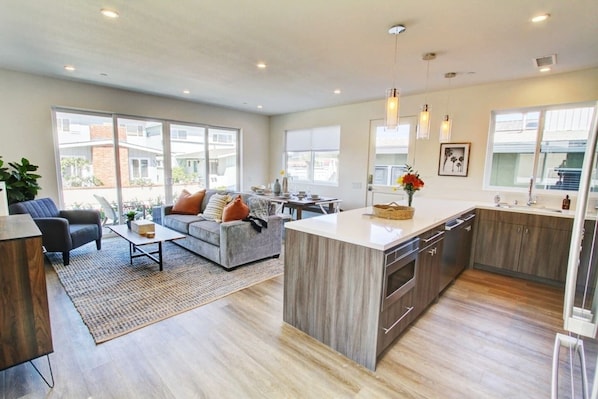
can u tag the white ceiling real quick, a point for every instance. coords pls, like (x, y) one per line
(311, 47)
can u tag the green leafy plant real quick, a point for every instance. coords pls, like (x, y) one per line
(130, 215)
(21, 183)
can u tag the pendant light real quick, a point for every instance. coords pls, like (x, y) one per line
(392, 95)
(423, 124)
(447, 122)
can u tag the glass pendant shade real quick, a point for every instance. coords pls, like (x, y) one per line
(445, 129)
(423, 124)
(392, 108)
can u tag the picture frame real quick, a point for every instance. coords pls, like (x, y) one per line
(454, 159)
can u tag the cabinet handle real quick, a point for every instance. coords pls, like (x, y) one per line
(468, 228)
(387, 330)
(438, 234)
(468, 218)
(459, 223)
(432, 251)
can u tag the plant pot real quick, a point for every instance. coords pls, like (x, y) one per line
(129, 224)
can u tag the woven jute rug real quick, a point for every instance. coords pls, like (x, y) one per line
(115, 298)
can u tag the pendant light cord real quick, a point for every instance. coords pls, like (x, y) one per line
(427, 78)
(395, 69)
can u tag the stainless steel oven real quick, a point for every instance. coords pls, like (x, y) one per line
(400, 272)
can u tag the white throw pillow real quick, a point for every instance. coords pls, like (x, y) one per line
(215, 207)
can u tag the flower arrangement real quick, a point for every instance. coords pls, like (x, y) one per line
(411, 182)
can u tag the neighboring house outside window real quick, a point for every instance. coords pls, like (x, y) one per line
(547, 144)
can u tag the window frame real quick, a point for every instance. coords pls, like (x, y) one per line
(538, 146)
(313, 150)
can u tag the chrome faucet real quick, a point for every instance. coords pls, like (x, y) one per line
(530, 198)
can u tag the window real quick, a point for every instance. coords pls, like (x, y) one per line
(391, 153)
(139, 168)
(137, 162)
(312, 155)
(547, 144)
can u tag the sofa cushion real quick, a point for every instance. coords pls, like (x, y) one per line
(235, 210)
(188, 204)
(180, 223)
(215, 207)
(206, 230)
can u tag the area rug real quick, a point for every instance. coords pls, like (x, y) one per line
(115, 298)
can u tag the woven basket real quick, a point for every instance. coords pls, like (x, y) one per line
(393, 211)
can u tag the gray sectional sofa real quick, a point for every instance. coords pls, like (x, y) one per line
(229, 244)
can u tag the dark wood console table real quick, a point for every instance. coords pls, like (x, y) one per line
(25, 332)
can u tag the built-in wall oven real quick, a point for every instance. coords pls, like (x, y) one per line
(400, 272)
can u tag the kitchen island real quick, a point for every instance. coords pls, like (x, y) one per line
(335, 275)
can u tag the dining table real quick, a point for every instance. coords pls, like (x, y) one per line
(301, 202)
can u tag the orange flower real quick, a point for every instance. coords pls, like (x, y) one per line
(410, 181)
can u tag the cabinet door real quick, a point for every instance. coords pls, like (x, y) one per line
(428, 276)
(498, 244)
(545, 253)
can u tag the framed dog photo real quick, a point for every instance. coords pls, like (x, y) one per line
(454, 159)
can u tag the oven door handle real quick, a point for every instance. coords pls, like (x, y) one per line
(387, 330)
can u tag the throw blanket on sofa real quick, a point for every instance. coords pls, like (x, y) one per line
(257, 223)
(259, 209)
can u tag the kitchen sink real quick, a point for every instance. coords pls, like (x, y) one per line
(531, 208)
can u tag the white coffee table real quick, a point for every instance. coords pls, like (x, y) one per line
(136, 241)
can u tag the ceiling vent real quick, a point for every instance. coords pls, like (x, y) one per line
(546, 61)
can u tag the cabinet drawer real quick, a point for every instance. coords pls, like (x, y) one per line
(395, 319)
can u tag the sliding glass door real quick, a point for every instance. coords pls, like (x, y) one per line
(119, 164)
(86, 154)
(141, 164)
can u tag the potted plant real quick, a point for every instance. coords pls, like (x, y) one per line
(130, 217)
(21, 183)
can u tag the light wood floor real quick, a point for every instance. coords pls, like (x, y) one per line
(489, 336)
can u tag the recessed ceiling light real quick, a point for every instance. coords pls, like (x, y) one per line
(259, 107)
(186, 92)
(109, 13)
(261, 65)
(545, 69)
(69, 68)
(337, 91)
(540, 18)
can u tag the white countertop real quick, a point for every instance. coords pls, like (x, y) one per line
(360, 227)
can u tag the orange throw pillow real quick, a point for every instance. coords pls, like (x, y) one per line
(188, 204)
(236, 210)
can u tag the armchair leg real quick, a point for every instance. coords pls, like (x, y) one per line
(65, 258)
(99, 244)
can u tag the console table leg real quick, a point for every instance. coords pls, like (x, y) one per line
(41, 375)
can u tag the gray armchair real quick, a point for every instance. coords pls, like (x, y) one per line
(62, 230)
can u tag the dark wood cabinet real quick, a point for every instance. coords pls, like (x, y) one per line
(428, 268)
(536, 246)
(25, 331)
